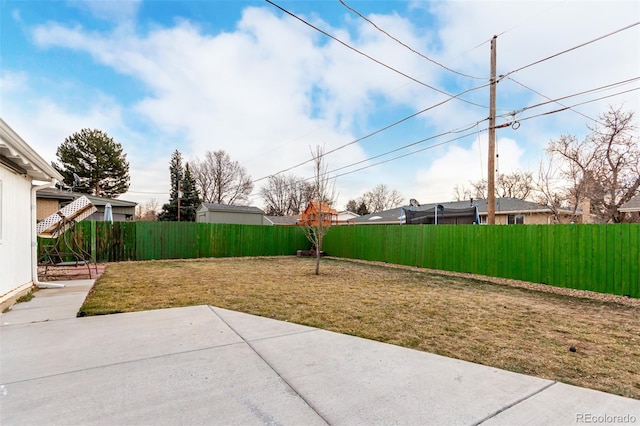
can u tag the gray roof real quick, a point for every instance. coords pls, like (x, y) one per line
(214, 207)
(58, 194)
(633, 205)
(282, 220)
(503, 206)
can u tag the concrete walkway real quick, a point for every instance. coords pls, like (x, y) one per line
(205, 365)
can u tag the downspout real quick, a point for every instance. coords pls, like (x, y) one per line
(34, 238)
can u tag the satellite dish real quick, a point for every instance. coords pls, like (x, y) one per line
(76, 182)
(59, 222)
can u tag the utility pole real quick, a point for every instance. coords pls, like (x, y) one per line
(179, 196)
(491, 174)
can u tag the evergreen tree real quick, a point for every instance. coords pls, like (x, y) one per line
(362, 209)
(190, 199)
(98, 162)
(170, 210)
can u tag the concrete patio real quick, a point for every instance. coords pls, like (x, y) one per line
(206, 365)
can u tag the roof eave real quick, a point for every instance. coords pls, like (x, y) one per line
(18, 152)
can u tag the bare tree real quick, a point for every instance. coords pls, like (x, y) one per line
(221, 180)
(382, 198)
(323, 195)
(148, 211)
(604, 167)
(286, 195)
(547, 191)
(517, 184)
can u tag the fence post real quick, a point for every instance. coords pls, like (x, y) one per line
(93, 240)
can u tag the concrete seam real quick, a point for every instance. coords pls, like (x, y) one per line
(131, 361)
(293, 388)
(513, 404)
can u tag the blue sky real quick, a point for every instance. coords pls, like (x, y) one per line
(245, 77)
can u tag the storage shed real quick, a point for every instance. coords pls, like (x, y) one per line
(223, 213)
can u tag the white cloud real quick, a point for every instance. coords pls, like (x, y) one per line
(271, 88)
(109, 10)
(460, 165)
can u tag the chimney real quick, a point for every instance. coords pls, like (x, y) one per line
(585, 205)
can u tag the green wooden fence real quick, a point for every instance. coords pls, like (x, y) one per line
(602, 258)
(122, 241)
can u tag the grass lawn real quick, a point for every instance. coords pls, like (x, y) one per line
(503, 326)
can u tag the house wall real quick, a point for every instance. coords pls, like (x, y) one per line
(46, 207)
(529, 219)
(15, 233)
(230, 217)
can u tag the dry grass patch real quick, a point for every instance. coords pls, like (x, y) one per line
(513, 328)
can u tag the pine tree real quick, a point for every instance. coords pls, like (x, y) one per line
(170, 210)
(98, 162)
(190, 199)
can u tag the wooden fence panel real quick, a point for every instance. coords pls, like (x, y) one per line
(596, 257)
(601, 258)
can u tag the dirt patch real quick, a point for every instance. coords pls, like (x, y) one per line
(70, 273)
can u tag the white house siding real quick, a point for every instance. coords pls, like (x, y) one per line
(15, 233)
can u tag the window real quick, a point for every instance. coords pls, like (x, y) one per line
(515, 219)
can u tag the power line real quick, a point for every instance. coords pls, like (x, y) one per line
(407, 46)
(548, 98)
(570, 49)
(407, 154)
(389, 67)
(460, 130)
(461, 137)
(375, 132)
(568, 107)
(607, 86)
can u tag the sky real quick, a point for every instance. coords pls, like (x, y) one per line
(264, 86)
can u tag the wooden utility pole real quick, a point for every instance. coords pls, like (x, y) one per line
(179, 196)
(491, 174)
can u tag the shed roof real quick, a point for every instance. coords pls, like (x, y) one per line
(282, 220)
(20, 156)
(58, 194)
(214, 207)
(633, 205)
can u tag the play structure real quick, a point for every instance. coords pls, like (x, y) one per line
(439, 215)
(60, 246)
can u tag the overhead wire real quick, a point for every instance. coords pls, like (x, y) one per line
(460, 130)
(375, 132)
(606, 86)
(548, 98)
(389, 67)
(571, 106)
(569, 50)
(406, 45)
(451, 97)
(461, 137)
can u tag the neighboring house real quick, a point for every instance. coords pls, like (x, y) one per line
(316, 212)
(51, 200)
(20, 168)
(223, 213)
(508, 211)
(632, 207)
(346, 216)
